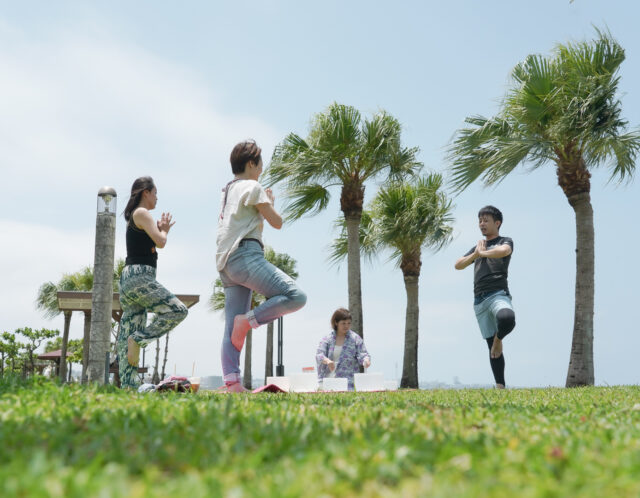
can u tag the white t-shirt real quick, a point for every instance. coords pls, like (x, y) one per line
(337, 350)
(239, 218)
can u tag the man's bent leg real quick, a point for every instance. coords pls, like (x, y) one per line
(506, 319)
(497, 365)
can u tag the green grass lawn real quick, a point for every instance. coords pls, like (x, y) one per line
(85, 441)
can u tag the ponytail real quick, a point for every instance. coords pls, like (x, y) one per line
(139, 186)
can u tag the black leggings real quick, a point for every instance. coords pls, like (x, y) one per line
(506, 323)
(497, 364)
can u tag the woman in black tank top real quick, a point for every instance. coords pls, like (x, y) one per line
(141, 249)
(140, 292)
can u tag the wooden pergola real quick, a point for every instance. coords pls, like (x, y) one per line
(55, 357)
(81, 301)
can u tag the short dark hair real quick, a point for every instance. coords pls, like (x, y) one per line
(243, 153)
(492, 211)
(339, 315)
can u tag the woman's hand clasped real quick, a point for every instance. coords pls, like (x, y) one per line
(270, 195)
(165, 223)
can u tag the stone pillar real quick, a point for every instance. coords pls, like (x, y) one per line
(102, 299)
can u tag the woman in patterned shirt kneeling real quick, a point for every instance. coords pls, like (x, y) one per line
(341, 353)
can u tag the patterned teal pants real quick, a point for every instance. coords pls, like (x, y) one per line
(140, 293)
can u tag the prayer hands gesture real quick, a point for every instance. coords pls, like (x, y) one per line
(270, 195)
(165, 222)
(481, 246)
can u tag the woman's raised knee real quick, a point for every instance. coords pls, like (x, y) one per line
(181, 312)
(298, 297)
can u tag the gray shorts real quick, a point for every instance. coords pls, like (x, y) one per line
(487, 310)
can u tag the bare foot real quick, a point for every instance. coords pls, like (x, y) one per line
(133, 352)
(239, 333)
(500, 386)
(235, 387)
(496, 349)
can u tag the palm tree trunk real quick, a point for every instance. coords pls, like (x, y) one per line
(410, 362)
(353, 270)
(63, 349)
(246, 379)
(268, 364)
(166, 352)
(581, 372)
(85, 345)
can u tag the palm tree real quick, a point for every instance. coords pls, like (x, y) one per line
(81, 280)
(216, 303)
(406, 217)
(47, 301)
(563, 109)
(341, 150)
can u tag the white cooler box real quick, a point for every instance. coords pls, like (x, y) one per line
(303, 382)
(368, 381)
(335, 384)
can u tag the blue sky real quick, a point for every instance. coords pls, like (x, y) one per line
(96, 93)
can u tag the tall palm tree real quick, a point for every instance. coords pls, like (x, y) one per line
(564, 110)
(342, 150)
(406, 217)
(216, 303)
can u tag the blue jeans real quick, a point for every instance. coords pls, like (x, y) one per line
(247, 271)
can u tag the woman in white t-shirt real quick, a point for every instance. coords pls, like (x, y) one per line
(240, 260)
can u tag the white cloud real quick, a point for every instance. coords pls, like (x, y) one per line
(80, 111)
(36, 254)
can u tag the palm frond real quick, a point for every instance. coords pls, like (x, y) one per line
(337, 130)
(306, 200)
(620, 150)
(403, 163)
(47, 300)
(282, 261)
(491, 150)
(412, 215)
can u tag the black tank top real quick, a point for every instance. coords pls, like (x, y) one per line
(141, 250)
